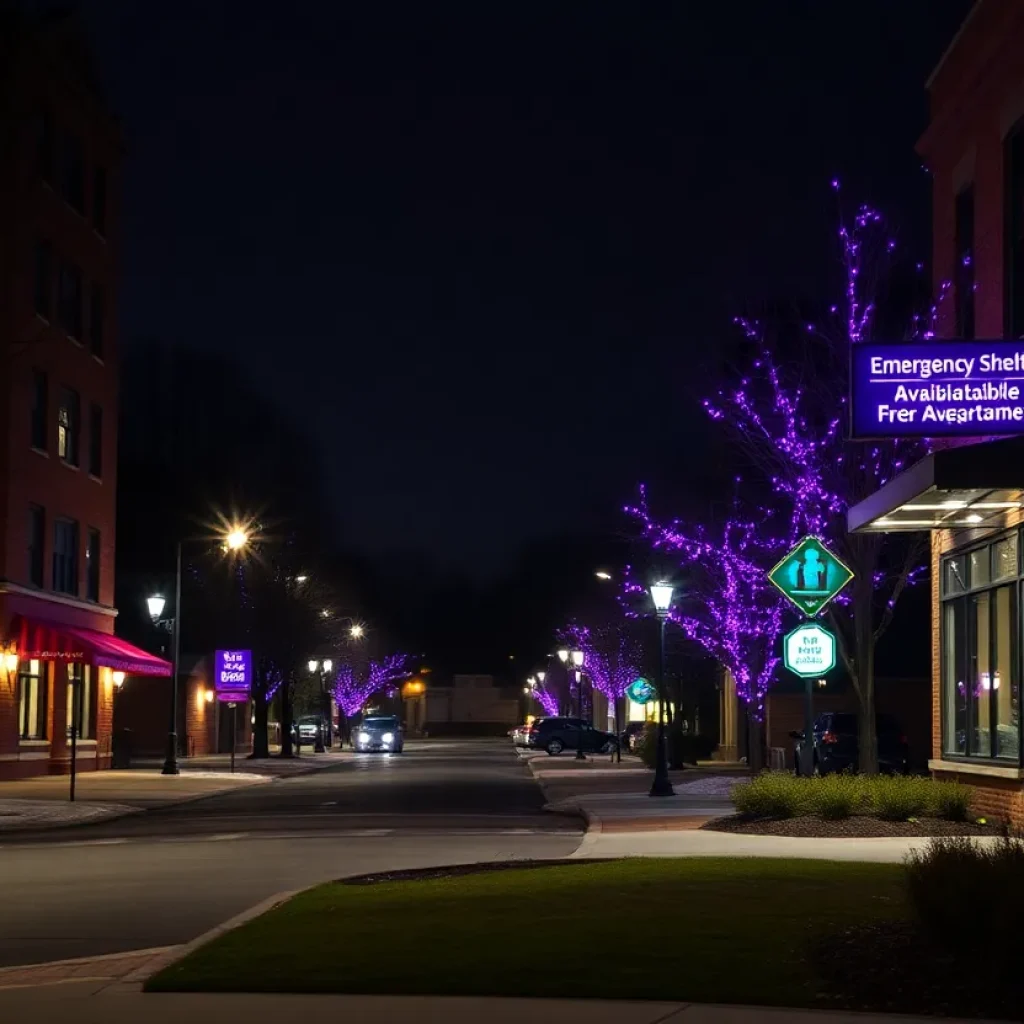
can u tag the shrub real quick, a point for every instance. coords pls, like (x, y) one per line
(951, 800)
(647, 745)
(835, 796)
(898, 797)
(771, 795)
(940, 876)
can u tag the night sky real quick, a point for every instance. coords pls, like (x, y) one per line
(487, 253)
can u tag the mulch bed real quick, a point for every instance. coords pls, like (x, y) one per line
(890, 967)
(860, 826)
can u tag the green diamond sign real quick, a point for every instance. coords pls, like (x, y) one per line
(810, 576)
(640, 691)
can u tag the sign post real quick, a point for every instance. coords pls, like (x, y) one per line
(232, 683)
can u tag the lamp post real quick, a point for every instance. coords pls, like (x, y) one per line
(573, 657)
(234, 539)
(661, 594)
(322, 668)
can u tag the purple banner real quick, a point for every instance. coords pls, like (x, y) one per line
(232, 675)
(937, 389)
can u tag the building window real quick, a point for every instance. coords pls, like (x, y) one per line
(72, 172)
(980, 622)
(68, 423)
(96, 440)
(44, 147)
(40, 409)
(69, 300)
(65, 557)
(97, 318)
(31, 701)
(44, 279)
(36, 540)
(81, 703)
(1013, 256)
(92, 566)
(963, 272)
(99, 200)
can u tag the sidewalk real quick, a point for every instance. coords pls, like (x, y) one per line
(43, 802)
(100, 1002)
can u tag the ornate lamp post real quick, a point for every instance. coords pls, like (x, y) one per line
(661, 594)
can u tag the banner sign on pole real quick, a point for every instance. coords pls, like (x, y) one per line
(809, 650)
(640, 691)
(232, 676)
(937, 389)
(810, 576)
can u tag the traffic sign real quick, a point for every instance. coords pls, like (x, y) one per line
(810, 650)
(810, 576)
(640, 691)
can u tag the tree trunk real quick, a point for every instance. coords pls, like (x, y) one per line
(260, 743)
(286, 720)
(864, 677)
(755, 742)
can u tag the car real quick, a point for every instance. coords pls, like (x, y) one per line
(306, 729)
(556, 734)
(836, 742)
(379, 733)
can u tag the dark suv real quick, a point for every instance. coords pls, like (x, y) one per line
(836, 744)
(557, 734)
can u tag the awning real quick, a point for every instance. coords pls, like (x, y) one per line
(55, 641)
(971, 487)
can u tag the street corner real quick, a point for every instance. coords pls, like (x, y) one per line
(574, 809)
(95, 972)
(17, 815)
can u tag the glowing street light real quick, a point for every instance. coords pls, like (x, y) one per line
(602, 575)
(156, 605)
(357, 631)
(236, 539)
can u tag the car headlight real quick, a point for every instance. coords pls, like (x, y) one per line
(364, 737)
(388, 737)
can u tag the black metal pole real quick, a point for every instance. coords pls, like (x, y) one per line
(318, 745)
(662, 785)
(618, 734)
(75, 691)
(234, 736)
(171, 761)
(807, 746)
(580, 756)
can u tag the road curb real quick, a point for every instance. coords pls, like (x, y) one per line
(589, 818)
(52, 826)
(137, 978)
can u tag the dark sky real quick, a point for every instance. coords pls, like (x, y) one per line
(484, 250)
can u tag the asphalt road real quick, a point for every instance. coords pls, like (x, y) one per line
(166, 876)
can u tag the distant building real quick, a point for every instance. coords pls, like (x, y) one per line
(60, 158)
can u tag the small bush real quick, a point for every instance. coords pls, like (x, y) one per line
(835, 797)
(770, 795)
(951, 800)
(898, 797)
(647, 745)
(993, 876)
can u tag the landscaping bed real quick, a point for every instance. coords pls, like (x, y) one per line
(860, 826)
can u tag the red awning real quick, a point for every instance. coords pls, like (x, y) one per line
(54, 641)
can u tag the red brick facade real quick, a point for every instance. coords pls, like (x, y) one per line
(59, 169)
(976, 101)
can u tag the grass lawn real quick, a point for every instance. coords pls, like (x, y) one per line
(706, 930)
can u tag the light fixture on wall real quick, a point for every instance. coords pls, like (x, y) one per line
(11, 661)
(118, 677)
(208, 696)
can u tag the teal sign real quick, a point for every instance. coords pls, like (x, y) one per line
(640, 691)
(810, 576)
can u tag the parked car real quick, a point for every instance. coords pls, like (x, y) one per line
(631, 735)
(306, 729)
(836, 744)
(557, 734)
(379, 732)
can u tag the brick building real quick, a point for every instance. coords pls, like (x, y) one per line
(971, 496)
(60, 154)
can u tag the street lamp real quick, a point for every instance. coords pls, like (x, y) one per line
(571, 657)
(322, 668)
(235, 539)
(661, 594)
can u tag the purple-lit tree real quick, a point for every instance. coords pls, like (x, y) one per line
(612, 657)
(726, 604)
(356, 683)
(788, 414)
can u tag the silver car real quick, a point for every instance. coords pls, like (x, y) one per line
(379, 732)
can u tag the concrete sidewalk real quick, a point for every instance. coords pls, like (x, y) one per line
(100, 1002)
(43, 802)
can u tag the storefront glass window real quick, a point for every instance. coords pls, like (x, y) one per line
(980, 623)
(31, 701)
